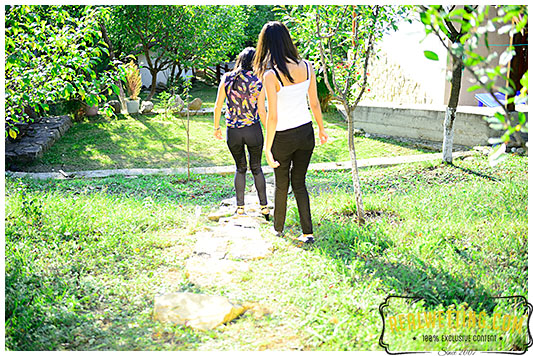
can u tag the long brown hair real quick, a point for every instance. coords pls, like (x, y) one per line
(275, 48)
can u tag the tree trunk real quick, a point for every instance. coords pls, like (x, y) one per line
(118, 83)
(449, 118)
(355, 173)
(153, 85)
(188, 140)
(447, 140)
(121, 96)
(172, 78)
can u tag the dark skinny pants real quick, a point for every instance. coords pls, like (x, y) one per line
(293, 149)
(252, 138)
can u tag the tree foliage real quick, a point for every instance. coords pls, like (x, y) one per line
(489, 75)
(256, 17)
(52, 53)
(179, 36)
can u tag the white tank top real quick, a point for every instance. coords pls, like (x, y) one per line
(292, 104)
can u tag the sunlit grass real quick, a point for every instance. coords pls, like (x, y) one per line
(159, 141)
(84, 258)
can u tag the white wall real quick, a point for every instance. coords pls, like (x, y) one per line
(407, 46)
(402, 74)
(162, 76)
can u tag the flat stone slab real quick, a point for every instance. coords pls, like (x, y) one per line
(244, 221)
(249, 248)
(211, 271)
(222, 212)
(229, 241)
(378, 161)
(208, 245)
(244, 243)
(198, 311)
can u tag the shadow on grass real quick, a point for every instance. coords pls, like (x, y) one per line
(365, 247)
(62, 312)
(134, 141)
(475, 173)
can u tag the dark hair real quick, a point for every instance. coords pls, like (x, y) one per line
(244, 62)
(245, 59)
(275, 47)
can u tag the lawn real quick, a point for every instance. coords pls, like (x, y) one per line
(159, 141)
(85, 257)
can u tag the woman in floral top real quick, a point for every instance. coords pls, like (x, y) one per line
(244, 94)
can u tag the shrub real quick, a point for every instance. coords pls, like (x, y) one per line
(133, 80)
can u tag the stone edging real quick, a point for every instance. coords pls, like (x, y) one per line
(39, 137)
(328, 166)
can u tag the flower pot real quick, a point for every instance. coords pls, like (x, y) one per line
(132, 106)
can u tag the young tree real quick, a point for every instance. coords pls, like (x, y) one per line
(452, 31)
(341, 40)
(475, 25)
(51, 54)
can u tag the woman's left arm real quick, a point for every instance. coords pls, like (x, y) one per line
(221, 96)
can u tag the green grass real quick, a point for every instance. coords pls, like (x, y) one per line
(159, 141)
(85, 258)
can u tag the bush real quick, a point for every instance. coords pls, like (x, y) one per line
(133, 80)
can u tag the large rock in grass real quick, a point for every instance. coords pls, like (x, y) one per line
(178, 103)
(196, 104)
(198, 311)
(147, 107)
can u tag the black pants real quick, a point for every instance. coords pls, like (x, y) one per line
(293, 149)
(252, 138)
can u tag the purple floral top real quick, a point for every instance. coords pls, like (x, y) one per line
(242, 102)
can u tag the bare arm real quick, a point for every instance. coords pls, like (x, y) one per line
(270, 84)
(261, 109)
(315, 106)
(221, 96)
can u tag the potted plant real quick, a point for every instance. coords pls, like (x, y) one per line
(133, 86)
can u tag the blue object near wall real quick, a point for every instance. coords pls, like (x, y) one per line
(485, 99)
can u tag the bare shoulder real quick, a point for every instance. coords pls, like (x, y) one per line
(269, 76)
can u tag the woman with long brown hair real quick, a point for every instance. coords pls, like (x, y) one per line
(290, 82)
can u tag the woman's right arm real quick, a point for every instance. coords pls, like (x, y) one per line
(269, 82)
(221, 95)
(261, 109)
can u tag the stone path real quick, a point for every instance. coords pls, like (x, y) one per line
(368, 162)
(220, 256)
